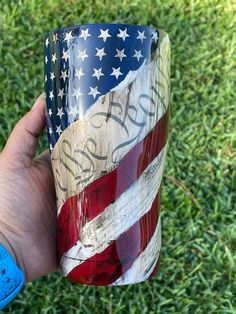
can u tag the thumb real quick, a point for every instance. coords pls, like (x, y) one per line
(22, 142)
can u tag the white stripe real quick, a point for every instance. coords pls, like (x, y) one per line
(144, 265)
(118, 217)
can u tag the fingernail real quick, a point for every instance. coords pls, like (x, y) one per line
(37, 101)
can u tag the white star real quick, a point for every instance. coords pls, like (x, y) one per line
(52, 76)
(155, 36)
(94, 91)
(65, 55)
(74, 111)
(58, 130)
(50, 147)
(77, 93)
(54, 58)
(98, 73)
(46, 59)
(68, 37)
(100, 53)
(51, 96)
(50, 131)
(141, 36)
(116, 72)
(120, 54)
(47, 42)
(61, 93)
(64, 75)
(60, 112)
(54, 38)
(45, 79)
(123, 34)
(84, 34)
(137, 54)
(50, 112)
(104, 34)
(79, 73)
(82, 54)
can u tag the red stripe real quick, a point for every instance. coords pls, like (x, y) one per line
(104, 268)
(106, 189)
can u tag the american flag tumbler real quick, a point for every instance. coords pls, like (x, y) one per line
(107, 99)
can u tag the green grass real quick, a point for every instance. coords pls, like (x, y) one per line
(198, 265)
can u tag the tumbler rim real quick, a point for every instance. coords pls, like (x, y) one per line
(71, 27)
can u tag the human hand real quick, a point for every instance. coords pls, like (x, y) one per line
(27, 197)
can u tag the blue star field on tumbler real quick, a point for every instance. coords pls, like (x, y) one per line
(84, 63)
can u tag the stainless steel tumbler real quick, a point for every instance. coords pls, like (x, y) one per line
(107, 95)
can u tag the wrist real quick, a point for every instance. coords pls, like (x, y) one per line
(8, 246)
(11, 247)
(12, 278)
